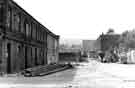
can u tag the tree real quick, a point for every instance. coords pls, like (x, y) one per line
(110, 31)
(125, 33)
(128, 39)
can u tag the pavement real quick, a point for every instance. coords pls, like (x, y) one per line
(86, 75)
(40, 70)
(45, 70)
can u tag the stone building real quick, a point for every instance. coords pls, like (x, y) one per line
(108, 41)
(24, 42)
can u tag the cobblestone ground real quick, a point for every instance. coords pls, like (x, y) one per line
(87, 75)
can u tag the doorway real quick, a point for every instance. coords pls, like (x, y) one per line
(8, 58)
(26, 57)
(36, 61)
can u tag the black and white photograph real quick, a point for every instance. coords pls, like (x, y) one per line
(67, 44)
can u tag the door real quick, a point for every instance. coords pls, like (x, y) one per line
(26, 57)
(36, 62)
(8, 58)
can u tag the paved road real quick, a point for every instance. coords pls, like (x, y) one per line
(86, 75)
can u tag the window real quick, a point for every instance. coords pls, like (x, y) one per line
(26, 28)
(40, 35)
(29, 30)
(17, 21)
(1, 12)
(44, 36)
(9, 18)
(36, 32)
(33, 31)
(22, 30)
(55, 44)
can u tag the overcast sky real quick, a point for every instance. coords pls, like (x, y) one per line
(82, 19)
